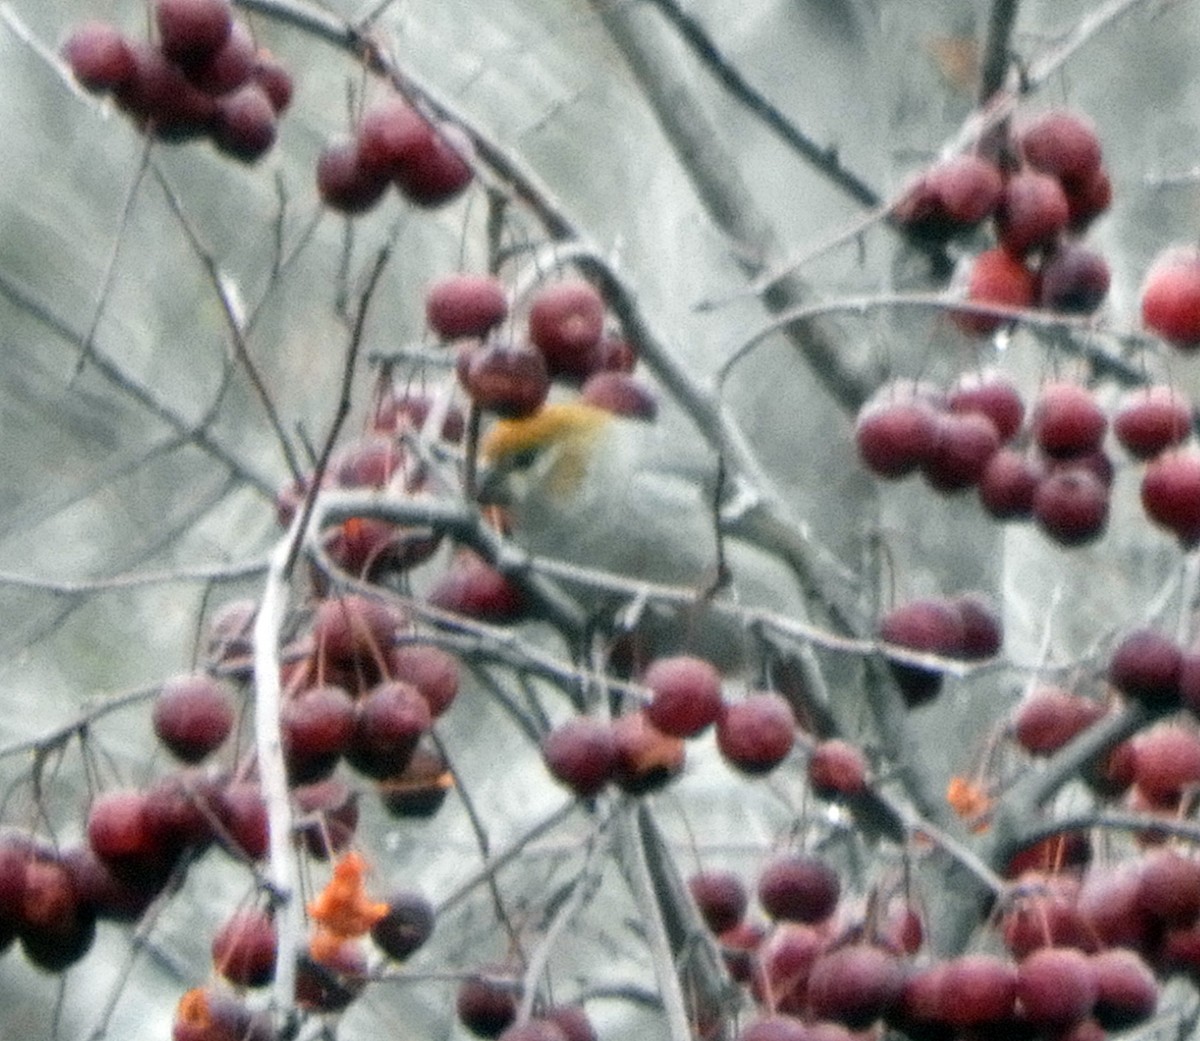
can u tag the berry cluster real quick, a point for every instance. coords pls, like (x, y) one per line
(205, 77)
(393, 144)
(965, 628)
(1045, 188)
(970, 435)
(1078, 953)
(487, 1005)
(643, 749)
(566, 340)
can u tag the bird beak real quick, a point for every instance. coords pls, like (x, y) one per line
(492, 486)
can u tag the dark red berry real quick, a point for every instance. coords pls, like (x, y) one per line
(100, 57)
(756, 734)
(406, 926)
(1071, 506)
(1033, 212)
(1074, 280)
(244, 948)
(465, 305)
(1146, 667)
(581, 753)
(566, 322)
(798, 888)
(1067, 421)
(685, 695)
(192, 31)
(192, 716)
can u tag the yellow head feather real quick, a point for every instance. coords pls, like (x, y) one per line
(571, 425)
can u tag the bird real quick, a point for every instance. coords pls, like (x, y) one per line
(639, 500)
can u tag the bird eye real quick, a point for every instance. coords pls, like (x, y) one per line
(522, 460)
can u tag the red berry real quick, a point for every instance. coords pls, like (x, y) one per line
(1008, 485)
(230, 67)
(440, 171)
(392, 716)
(1169, 888)
(755, 734)
(1146, 667)
(326, 816)
(983, 634)
(685, 695)
(837, 769)
(566, 322)
(510, 380)
(1061, 143)
(1166, 760)
(1056, 987)
(895, 437)
(192, 716)
(1088, 198)
(931, 626)
(244, 948)
(245, 123)
(318, 725)
(406, 926)
(963, 445)
(344, 183)
(997, 278)
(776, 1028)
(1171, 493)
(1126, 990)
(581, 753)
(1074, 280)
(968, 187)
(1150, 420)
(572, 1021)
(485, 1006)
(977, 989)
(854, 985)
(798, 888)
(646, 758)
(1071, 506)
(989, 394)
(1067, 422)
(1033, 212)
(100, 57)
(465, 305)
(1050, 717)
(1171, 296)
(431, 670)
(191, 31)
(620, 394)
(269, 74)
(389, 135)
(721, 898)
(472, 587)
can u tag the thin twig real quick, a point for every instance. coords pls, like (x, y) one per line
(134, 580)
(996, 48)
(502, 859)
(24, 298)
(484, 843)
(234, 319)
(343, 405)
(823, 158)
(110, 266)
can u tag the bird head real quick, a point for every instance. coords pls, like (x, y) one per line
(548, 454)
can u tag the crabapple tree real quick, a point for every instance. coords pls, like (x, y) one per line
(566, 519)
